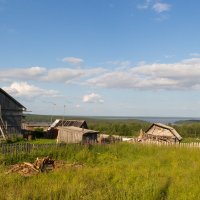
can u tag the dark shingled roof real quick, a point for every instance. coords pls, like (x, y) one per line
(14, 100)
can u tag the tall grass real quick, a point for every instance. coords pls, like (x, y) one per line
(118, 171)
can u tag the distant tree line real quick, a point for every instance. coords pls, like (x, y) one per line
(125, 127)
(188, 129)
(118, 127)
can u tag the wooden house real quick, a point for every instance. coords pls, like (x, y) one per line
(71, 134)
(161, 132)
(52, 131)
(11, 113)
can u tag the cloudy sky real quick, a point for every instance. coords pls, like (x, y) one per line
(102, 57)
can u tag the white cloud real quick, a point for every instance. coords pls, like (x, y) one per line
(155, 5)
(65, 75)
(93, 98)
(68, 75)
(181, 75)
(23, 89)
(120, 64)
(161, 7)
(145, 5)
(195, 54)
(31, 73)
(73, 60)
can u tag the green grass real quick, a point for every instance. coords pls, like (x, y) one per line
(42, 141)
(34, 141)
(190, 139)
(118, 171)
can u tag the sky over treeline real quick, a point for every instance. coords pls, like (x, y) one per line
(102, 57)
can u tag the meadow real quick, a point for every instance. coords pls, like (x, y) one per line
(114, 171)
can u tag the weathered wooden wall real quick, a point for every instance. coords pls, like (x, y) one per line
(11, 114)
(76, 135)
(69, 136)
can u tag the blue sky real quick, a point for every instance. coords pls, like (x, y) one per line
(102, 57)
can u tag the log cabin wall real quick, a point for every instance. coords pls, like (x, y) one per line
(11, 113)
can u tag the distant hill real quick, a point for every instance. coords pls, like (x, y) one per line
(191, 121)
(49, 118)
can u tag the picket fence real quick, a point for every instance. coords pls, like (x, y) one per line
(159, 143)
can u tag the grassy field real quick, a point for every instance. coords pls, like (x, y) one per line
(117, 171)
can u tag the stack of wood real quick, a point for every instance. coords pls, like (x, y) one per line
(24, 169)
(28, 169)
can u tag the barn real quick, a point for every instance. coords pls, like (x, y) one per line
(162, 132)
(11, 114)
(71, 134)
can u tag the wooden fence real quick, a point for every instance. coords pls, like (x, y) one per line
(189, 145)
(14, 149)
(20, 148)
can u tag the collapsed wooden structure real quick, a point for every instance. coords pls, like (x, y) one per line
(161, 132)
(11, 114)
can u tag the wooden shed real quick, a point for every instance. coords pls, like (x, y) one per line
(71, 134)
(162, 132)
(11, 113)
(52, 131)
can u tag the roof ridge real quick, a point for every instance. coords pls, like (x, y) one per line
(9, 96)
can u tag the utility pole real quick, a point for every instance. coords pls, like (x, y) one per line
(53, 109)
(63, 115)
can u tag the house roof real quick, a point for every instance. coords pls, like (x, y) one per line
(66, 123)
(171, 129)
(14, 100)
(37, 124)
